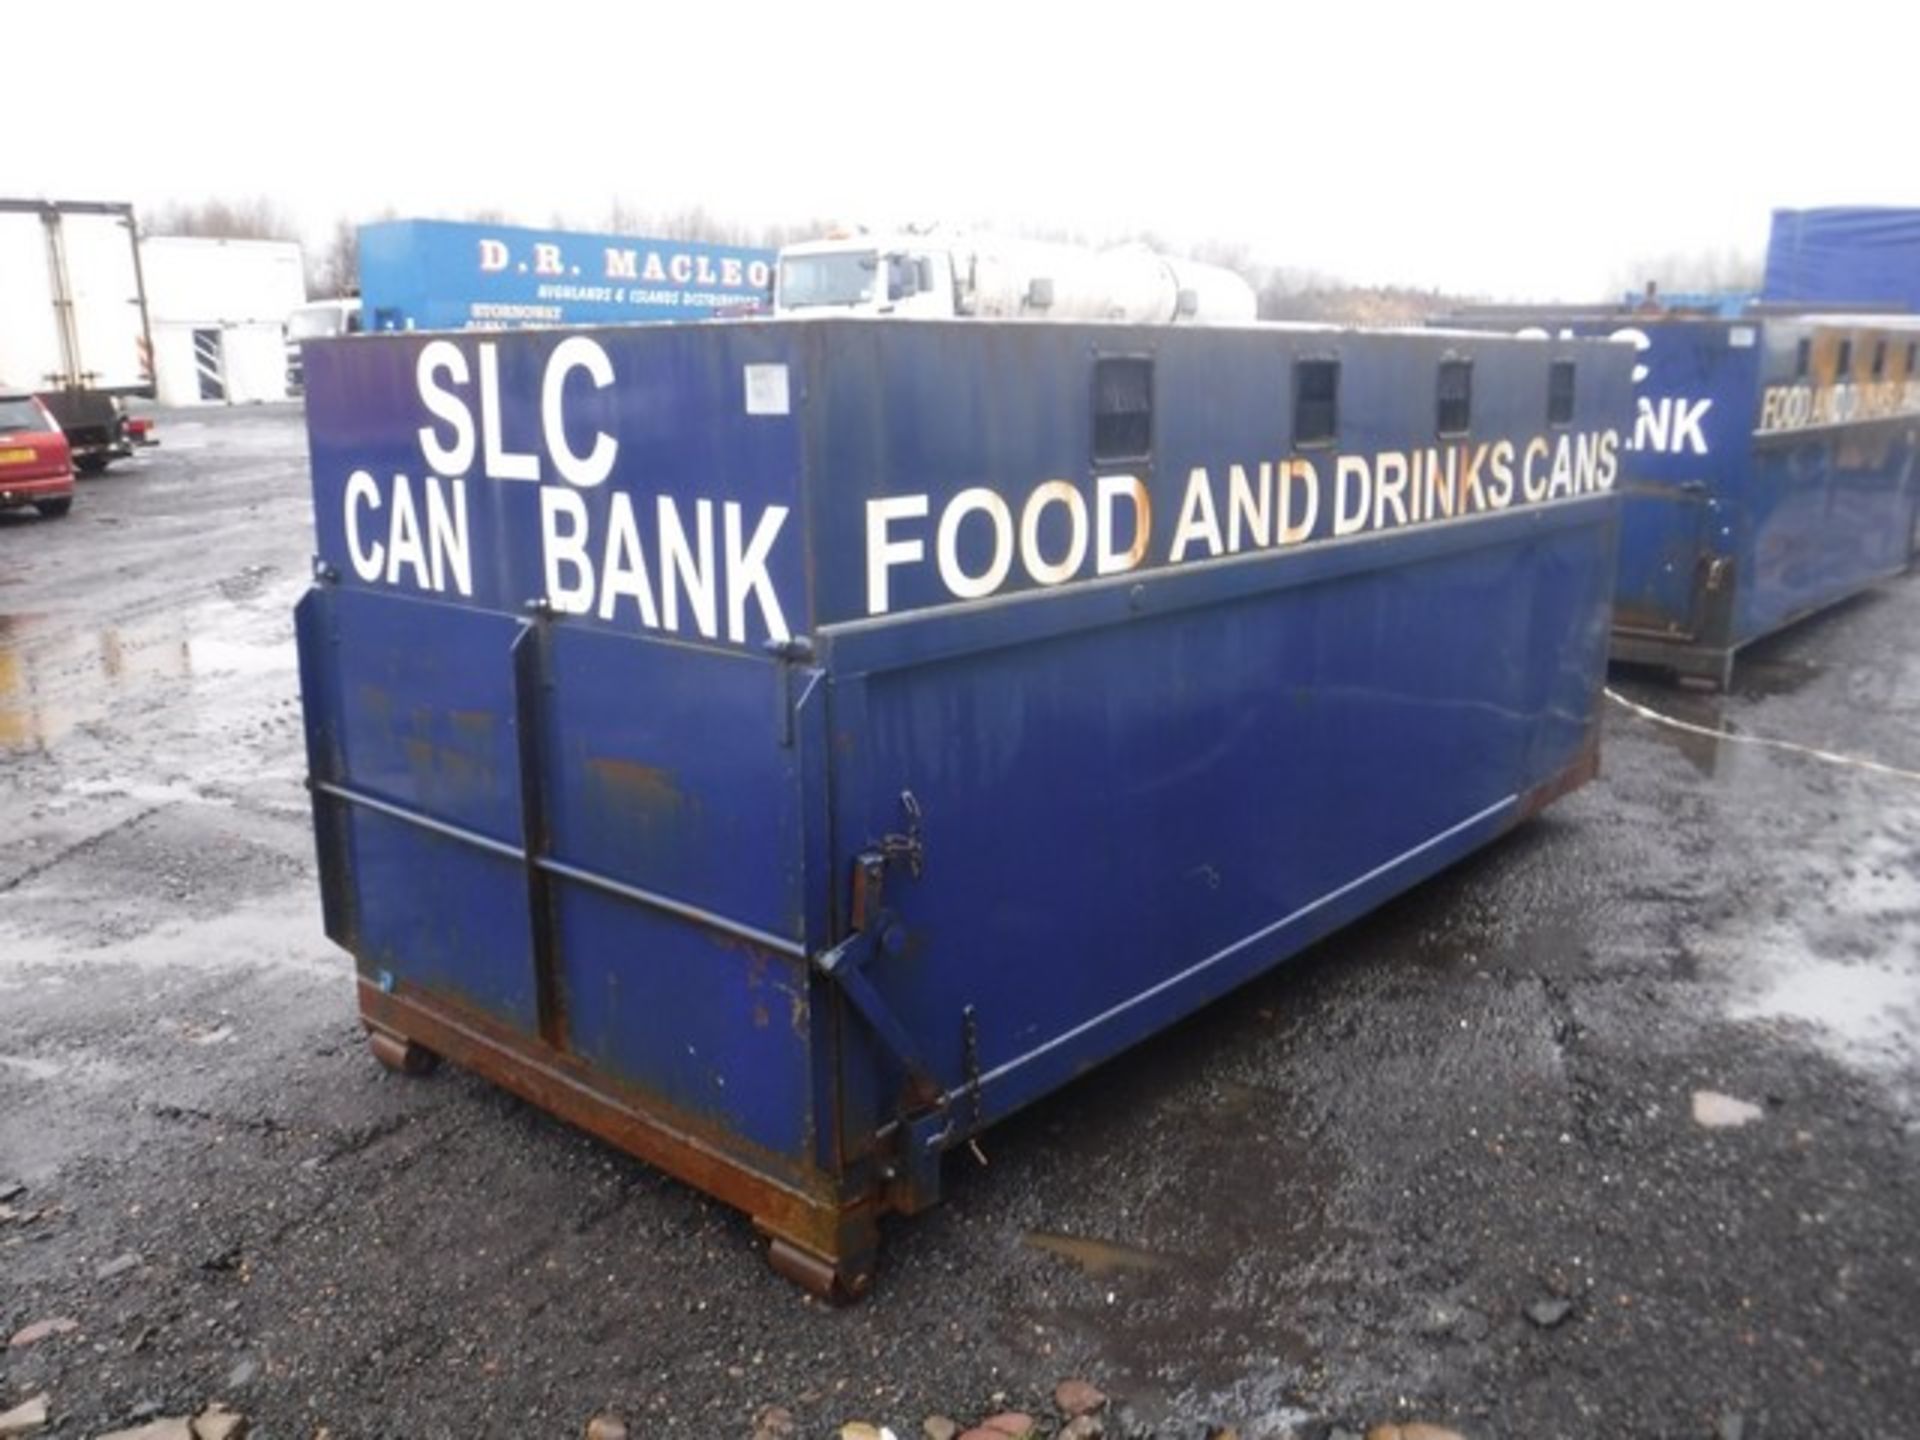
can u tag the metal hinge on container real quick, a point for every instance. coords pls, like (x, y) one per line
(794, 656)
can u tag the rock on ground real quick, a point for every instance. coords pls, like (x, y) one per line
(217, 1422)
(24, 1418)
(1715, 1111)
(1074, 1398)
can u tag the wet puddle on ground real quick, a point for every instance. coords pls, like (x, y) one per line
(1712, 756)
(1097, 1257)
(1867, 1011)
(1844, 969)
(1757, 678)
(54, 681)
(1189, 1294)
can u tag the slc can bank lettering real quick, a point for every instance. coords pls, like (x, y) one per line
(702, 566)
(1665, 424)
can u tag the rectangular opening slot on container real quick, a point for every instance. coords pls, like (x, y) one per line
(1316, 402)
(1843, 367)
(1455, 397)
(1879, 358)
(1802, 359)
(1560, 392)
(1122, 408)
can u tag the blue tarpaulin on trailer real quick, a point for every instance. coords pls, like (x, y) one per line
(1845, 256)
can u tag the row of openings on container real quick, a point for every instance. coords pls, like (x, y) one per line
(1843, 361)
(1123, 403)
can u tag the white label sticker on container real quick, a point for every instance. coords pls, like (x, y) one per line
(767, 390)
(1740, 337)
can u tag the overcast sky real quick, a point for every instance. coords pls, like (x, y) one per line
(1518, 151)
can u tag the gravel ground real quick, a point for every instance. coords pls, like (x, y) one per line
(1449, 1166)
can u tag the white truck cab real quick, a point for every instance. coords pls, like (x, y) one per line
(940, 274)
(865, 274)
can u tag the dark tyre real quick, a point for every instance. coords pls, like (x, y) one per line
(89, 464)
(54, 509)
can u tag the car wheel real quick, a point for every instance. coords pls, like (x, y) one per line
(90, 464)
(54, 509)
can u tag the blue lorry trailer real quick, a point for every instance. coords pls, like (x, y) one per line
(457, 275)
(784, 748)
(1848, 257)
(1771, 471)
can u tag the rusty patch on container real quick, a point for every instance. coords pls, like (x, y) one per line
(1585, 766)
(786, 1197)
(476, 725)
(647, 788)
(373, 698)
(1648, 620)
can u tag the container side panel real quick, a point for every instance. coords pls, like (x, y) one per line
(422, 727)
(665, 770)
(1830, 513)
(1571, 575)
(441, 917)
(714, 1027)
(1663, 534)
(1193, 779)
(1829, 503)
(664, 773)
(551, 563)
(1188, 649)
(426, 710)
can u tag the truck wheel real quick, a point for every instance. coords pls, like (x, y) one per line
(54, 509)
(89, 464)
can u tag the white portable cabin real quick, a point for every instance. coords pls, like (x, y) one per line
(218, 310)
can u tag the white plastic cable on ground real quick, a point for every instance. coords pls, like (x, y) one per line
(1790, 746)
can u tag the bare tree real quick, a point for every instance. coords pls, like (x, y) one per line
(1706, 271)
(333, 270)
(254, 218)
(697, 223)
(1323, 301)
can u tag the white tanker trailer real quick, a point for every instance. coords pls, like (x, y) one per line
(939, 275)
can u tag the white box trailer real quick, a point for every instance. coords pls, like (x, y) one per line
(219, 311)
(73, 317)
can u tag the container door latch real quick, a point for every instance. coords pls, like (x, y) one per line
(872, 932)
(870, 866)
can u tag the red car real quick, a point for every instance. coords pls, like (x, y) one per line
(36, 467)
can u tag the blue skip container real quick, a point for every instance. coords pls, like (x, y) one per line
(786, 748)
